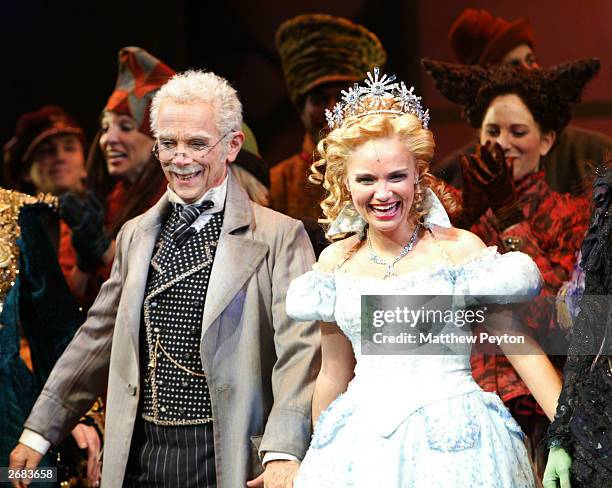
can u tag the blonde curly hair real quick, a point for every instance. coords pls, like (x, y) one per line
(335, 151)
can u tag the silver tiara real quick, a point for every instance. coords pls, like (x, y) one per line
(379, 96)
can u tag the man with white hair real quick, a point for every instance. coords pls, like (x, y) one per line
(205, 371)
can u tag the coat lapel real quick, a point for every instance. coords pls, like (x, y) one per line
(237, 257)
(140, 254)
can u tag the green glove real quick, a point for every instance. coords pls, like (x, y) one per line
(557, 469)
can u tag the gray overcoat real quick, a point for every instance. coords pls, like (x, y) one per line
(260, 365)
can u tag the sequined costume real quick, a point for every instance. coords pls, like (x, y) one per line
(35, 302)
(582, 425)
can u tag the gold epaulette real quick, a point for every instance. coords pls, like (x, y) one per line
(11, 203)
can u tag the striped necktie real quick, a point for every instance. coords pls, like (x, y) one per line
(188, 215)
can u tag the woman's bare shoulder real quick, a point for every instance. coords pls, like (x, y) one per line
(459, 243)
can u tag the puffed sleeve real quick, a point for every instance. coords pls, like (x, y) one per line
(499, 278)
(312, 296)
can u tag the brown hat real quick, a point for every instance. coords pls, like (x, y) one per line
(31, 130)
(140, 76)
(317, 48)
(479, 38)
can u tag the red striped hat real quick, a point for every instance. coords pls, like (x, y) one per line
(140, 76)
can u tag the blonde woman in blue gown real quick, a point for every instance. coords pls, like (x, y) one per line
(403, 420)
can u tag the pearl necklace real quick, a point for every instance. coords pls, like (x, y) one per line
(390, 264)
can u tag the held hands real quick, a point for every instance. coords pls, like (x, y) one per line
(488, 182)
(557, 469)
(278, 474)
(85, 216)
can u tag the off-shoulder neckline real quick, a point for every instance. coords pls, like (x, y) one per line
(482, 254)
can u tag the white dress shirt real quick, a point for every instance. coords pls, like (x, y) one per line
(216, 195)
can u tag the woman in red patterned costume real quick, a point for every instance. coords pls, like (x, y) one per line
(506, 200)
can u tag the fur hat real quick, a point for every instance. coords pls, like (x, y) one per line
(548, 93)
(316, 49)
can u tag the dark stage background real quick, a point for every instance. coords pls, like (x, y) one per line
(64, 52)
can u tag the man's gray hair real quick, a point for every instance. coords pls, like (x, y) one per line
(196, 86)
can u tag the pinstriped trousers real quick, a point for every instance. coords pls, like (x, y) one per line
(177, 456)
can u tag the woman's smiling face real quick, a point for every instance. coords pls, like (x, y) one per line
(381, 175)
(509, 122)
(126, 149)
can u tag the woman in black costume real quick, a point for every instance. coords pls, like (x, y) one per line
(580, 438)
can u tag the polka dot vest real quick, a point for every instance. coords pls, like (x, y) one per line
(175, 391)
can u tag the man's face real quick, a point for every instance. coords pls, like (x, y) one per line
(523, 56)
(316, 101)
(192, 153)
(58, 165)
